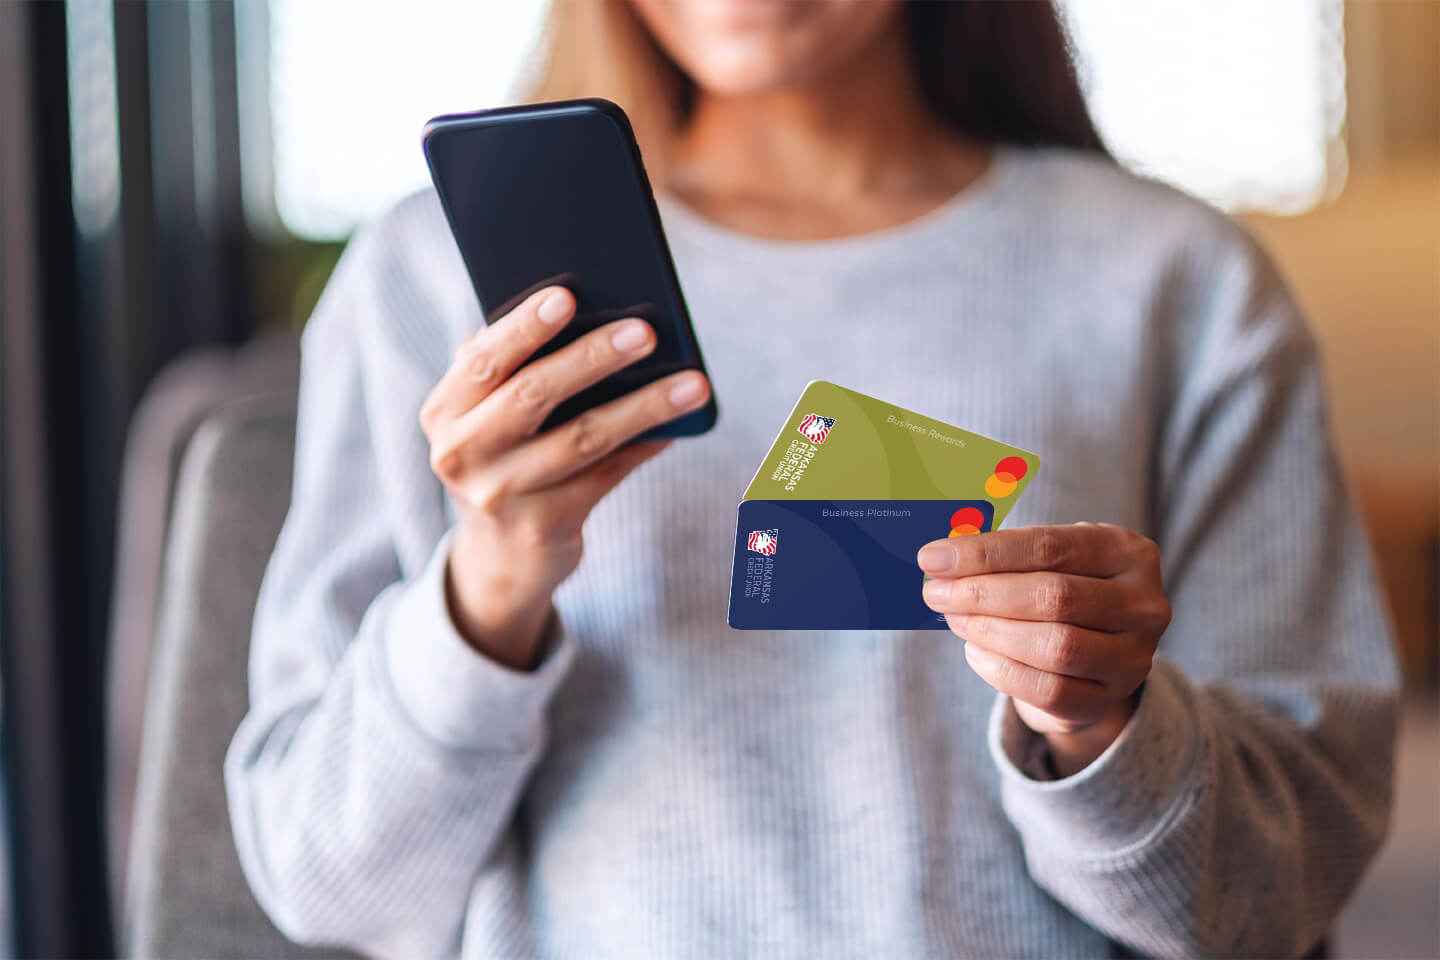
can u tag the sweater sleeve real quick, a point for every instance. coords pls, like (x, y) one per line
(1238, 809)
(382, 757)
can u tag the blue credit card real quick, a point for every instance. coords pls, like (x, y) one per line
(838, 564)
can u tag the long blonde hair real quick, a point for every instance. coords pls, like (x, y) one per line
(599, 48)
(993, 71)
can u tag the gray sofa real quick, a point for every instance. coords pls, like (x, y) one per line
(185, 894)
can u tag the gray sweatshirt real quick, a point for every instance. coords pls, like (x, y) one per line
(663, 786)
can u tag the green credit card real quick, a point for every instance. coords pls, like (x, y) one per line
(841, 445)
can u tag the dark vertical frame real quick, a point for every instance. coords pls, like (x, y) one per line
(28, 723)
(47, 658)
(87, 320)
(200, 247)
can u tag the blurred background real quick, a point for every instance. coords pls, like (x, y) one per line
(177, 179)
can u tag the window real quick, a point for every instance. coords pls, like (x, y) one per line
(350, 86)
(1238, 102)
(94, 120)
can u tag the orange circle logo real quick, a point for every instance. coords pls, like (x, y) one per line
(1006, 478)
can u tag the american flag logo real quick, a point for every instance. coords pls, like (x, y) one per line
(764, 541)
(816, 428)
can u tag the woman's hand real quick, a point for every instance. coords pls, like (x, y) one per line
(1063, 619)
(524, 494)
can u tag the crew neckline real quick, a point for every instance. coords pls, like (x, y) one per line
(971, 203)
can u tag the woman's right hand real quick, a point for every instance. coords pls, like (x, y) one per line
(523, 495)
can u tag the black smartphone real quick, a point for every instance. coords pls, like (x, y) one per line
(556, 193)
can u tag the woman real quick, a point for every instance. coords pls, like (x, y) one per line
(464, 739)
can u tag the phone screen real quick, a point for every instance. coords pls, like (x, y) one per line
(556, 193)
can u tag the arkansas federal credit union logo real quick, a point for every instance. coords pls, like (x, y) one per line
(816, 428)
(764, 541)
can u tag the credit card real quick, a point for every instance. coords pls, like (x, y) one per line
(837, 444)
(852, 487)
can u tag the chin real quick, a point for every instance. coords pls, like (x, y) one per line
(739, 75)
(737, 47)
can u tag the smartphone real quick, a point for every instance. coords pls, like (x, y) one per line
(556, 193)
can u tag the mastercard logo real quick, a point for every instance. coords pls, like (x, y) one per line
(965, 521)
(1005, 479)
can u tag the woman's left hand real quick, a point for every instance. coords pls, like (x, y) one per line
(1063, 619)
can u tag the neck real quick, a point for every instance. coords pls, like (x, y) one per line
(864, 132)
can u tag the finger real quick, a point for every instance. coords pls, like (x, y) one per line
(1068, 698)
(1090, 550)
(577, 496)
(1061, 648)
(1059, 597)
(485, 359)
(520, 406)
(555, 515)
(572, 446)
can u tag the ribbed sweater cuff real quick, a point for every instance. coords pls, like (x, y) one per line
(455, 695)
(1127, 795)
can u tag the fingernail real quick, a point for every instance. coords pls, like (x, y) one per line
(686, 392)
(632, 336)
(936, 591)
(936, 558)
(554, 308)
